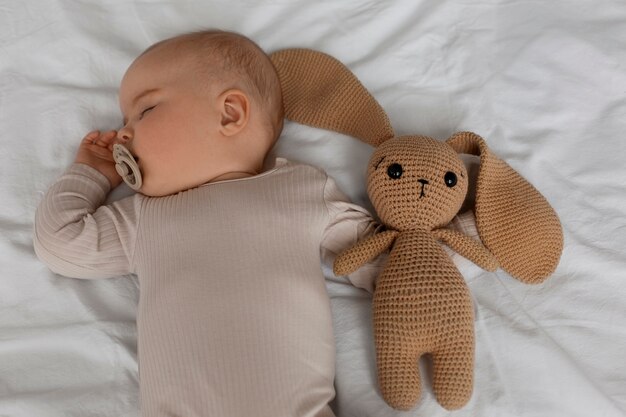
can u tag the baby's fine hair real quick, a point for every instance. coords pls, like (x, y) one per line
(222, 55)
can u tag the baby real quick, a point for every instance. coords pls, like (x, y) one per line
(233, 316)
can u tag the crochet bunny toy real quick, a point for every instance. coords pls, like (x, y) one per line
(417, 185)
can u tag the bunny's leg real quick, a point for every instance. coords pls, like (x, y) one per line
(398, 372)
(453, 371)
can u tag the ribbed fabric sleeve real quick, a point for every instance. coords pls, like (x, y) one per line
(349, 223)
(76, 236)
(233, 316)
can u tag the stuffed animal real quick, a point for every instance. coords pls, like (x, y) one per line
(421, 303)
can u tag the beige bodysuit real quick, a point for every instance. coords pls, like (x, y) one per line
(233, 317)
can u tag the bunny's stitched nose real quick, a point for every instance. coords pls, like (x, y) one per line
(424, 183)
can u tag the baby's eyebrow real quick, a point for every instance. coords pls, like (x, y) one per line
(143, 94)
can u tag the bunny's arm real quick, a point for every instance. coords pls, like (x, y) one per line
(469, 248)
(364, 251)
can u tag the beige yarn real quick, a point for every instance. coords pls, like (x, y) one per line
(421, 302)
(513, 219)
(315, 104)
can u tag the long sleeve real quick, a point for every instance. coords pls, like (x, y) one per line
(348, 224)
(76, 236)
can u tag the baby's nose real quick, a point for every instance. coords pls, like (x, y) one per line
(124, 134)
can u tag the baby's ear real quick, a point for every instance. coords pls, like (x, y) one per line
(234, 109)
(515, 222)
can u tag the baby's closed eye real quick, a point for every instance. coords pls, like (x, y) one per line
(145, 111)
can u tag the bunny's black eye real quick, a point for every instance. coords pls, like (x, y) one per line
(450, 179)
(394, 171)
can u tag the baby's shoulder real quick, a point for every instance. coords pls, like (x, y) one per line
(301, 169)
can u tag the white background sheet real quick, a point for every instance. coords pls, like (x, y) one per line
(543, 82)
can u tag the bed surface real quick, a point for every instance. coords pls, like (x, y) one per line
(543, 82)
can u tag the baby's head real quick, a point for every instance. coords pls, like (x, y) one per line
(198, 108)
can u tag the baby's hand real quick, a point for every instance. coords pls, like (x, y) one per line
(96, 150)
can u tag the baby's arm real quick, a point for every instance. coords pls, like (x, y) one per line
(349, 224)
(74, 234)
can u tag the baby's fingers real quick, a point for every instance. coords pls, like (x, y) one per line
(91, 137)
(102, 140)
(106, 139)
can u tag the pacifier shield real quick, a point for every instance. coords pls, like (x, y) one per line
(126, 166)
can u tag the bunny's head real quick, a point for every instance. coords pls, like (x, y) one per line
(415, 182)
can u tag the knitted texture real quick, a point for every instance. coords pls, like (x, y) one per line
(514, 220)
(364, 251)
(469, 248)
(418, 197)
(314, 100)
(422, 305)
(417, 185)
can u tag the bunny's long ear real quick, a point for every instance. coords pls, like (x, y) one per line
(320, 91)
(514, 220)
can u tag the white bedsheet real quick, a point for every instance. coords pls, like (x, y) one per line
(543, 82)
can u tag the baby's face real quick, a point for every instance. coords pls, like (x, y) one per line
(171, 124)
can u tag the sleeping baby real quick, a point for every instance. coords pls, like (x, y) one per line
(233, 317)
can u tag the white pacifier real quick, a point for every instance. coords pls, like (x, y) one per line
(127, 167)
